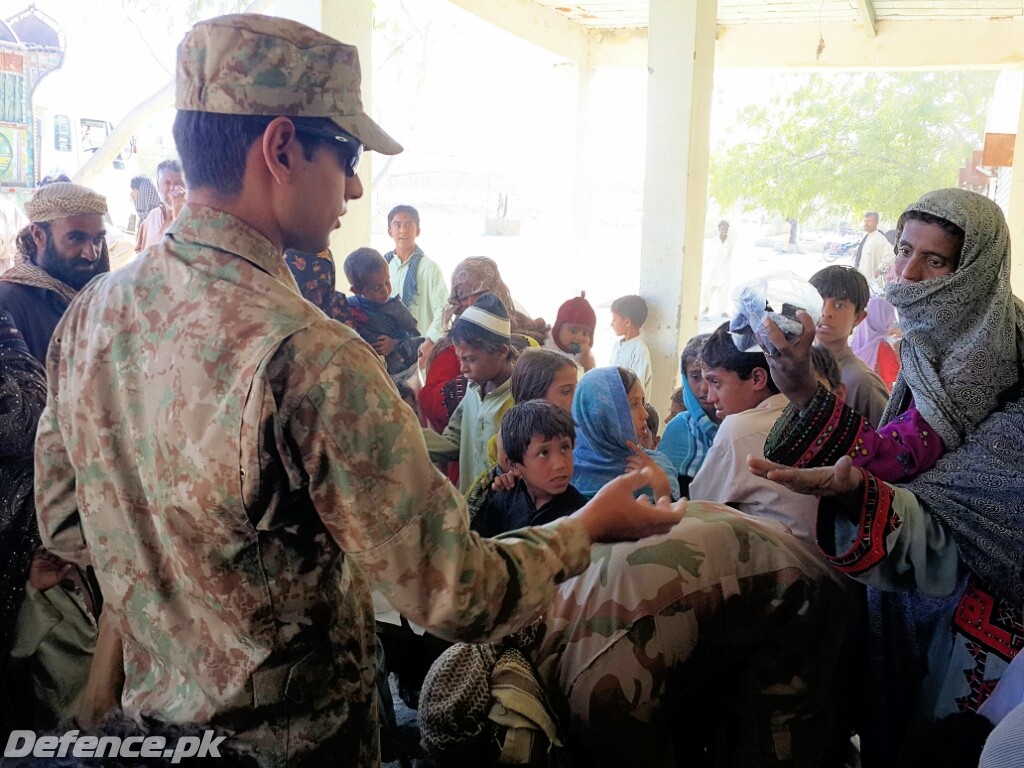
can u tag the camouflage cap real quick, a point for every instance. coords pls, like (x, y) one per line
(246, 64)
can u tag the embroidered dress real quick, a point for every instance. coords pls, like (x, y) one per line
(942, 552)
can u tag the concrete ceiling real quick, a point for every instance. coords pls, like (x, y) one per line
(625, 14)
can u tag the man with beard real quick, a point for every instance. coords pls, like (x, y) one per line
(61, 250)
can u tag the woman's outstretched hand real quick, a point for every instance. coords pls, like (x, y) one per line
(814, 481)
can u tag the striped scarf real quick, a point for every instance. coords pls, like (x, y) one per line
(24, 272)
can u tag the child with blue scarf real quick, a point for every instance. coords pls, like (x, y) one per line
(610, 417)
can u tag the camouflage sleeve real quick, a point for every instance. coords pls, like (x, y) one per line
(56, 505)
(404, 524)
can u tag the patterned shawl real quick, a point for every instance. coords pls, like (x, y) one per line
(477, 275)
(22, 398)
(24, 272)
(314, 273)
(963, 336)
(963, 333)
(600, 409)
(147, 198)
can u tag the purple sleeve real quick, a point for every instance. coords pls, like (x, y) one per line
(903, 448)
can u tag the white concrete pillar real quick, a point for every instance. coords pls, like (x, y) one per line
(352, 22)
(581, 198)
(681, 60)
(1015, 216)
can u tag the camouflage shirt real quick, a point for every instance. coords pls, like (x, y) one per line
(239, 469)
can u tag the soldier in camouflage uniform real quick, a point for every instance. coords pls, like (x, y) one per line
(724, 634)
(237, 466)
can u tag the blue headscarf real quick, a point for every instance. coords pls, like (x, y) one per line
(604, 423)
(689, 435)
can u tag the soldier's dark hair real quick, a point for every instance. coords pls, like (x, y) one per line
(408, 210)
(844, 283)
(634, 307)
(719, 351)
(214, 148)
(691, 351)
(534, 372)
(535, 418)
(825, 365)
(361, 265)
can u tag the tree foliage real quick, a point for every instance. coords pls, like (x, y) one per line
(852, 142)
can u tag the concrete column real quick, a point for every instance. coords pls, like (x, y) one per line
(1015, 216)
(352, 22)
(581, 205)
(681, 59)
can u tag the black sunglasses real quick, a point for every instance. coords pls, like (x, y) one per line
(349, 146)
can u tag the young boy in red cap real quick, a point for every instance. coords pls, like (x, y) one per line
(573, 331)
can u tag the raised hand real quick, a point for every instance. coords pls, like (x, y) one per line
(641, 460)
(792, 370)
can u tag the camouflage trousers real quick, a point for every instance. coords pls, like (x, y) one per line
(717, 643)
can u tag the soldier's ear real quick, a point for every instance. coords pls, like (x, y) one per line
(279, 147)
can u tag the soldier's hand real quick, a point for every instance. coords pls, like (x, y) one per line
(614, 515)
(813, 481)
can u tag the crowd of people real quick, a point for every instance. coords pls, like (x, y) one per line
(214, 463)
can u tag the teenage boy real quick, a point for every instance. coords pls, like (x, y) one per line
(538, 437)
(415, 279)
(747, 401)
(629, 313)
(844, 293)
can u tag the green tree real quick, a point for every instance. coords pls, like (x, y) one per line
(852, 142)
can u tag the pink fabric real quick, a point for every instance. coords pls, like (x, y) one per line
(899, 450)
(873, 331)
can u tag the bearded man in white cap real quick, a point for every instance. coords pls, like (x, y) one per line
(61, 250)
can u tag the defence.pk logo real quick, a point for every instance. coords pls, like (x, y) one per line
(25, 743)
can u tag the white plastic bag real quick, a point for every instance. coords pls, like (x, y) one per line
(777, 295)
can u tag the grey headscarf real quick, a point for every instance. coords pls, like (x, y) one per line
(963, 342)
(963, 333)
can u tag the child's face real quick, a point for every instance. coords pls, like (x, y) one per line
(619, 324)
(574, 338)
(547, 467)
(403, 229)
(695, 378)
(478, 365)
(730, 394)
(637, 411)
(838, 319)
(377, 288)
(562, 387)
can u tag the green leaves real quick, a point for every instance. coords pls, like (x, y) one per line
(838, 143)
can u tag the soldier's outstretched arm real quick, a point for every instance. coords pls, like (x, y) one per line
(406, 526)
